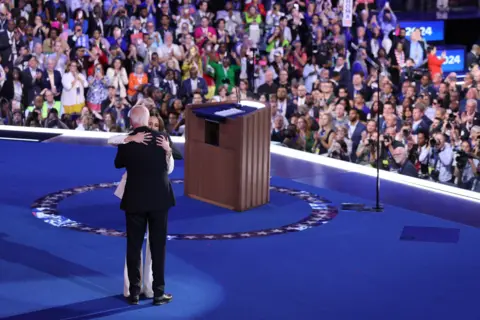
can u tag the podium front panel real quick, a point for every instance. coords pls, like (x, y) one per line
(215, 172)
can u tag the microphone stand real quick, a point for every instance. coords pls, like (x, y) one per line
(378, 207)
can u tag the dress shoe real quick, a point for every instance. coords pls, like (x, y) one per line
(163, 299)
(133, 300)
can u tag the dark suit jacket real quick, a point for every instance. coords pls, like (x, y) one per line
(291, 108)
(422, 127)
(6, 49)
(471, 59)
(356, 138)
(148, 188)
(345, 76)
(31, 86)
(408, 169)
(57, 81)
(187, 92)
(365, 91)
(277, 136)
(165, 85)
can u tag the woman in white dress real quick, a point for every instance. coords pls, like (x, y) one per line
(146, 272)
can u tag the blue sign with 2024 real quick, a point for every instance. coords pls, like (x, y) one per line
(431, 30)
(455, 59)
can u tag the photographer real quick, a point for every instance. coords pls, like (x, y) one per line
(439, 156)
(339, 151)
(366, 151)
(466, 167)
(410, 73)
(53, 121)
(389, 143)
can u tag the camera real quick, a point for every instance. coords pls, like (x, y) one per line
(53, 123)
(406, 133)
(451, 117)
(451, 121)
(387, 138)
(433, 143)
(462, 159)
(339, 149)
(335, 154)
(435, 174)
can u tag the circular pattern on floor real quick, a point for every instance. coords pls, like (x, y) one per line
(46, 209)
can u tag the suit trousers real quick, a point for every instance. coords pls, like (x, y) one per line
(136, 227)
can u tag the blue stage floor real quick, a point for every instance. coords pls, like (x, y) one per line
(417, 260)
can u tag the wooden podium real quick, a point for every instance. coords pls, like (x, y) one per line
(227, 159)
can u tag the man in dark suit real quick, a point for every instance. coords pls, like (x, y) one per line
(146, 200)
(419, 123)
(9, 45)
(32, 78)
(342, 69)
(355, 129)
(285, 107)
(472, 56)
(52, 79)
(169, 84)
(192, 85)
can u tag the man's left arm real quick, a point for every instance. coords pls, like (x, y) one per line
(120, 159)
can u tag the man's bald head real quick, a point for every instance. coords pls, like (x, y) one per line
(139, 116)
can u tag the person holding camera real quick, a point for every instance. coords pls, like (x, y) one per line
(53, 122)
(388, 144)
(367, 148)
(439, 155)
(466, 167)
(339, 150)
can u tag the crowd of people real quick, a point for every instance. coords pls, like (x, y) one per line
(82, 65)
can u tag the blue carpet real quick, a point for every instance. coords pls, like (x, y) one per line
(100, 208)
(354, 267)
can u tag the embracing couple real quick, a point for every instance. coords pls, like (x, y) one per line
(147, 196)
